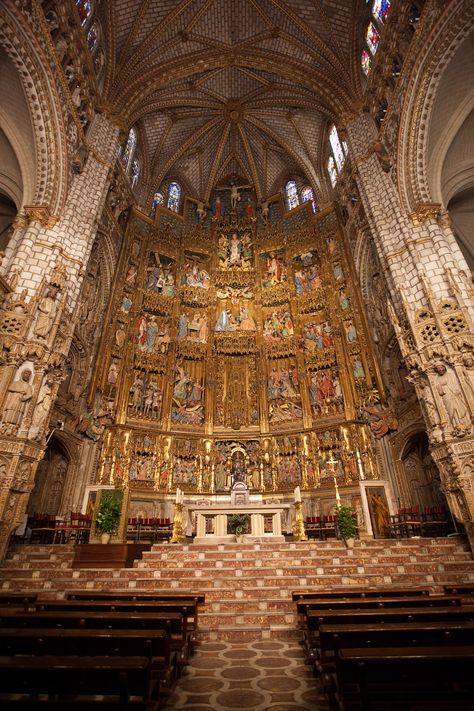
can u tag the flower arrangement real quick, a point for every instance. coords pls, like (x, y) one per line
(239, 524)
(108, 513)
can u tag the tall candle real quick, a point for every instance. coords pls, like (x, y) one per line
(297, 494)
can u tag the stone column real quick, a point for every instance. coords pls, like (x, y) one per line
(38, 319)
(431, 308)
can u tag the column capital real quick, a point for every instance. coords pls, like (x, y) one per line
(41, 214)
(425, 211)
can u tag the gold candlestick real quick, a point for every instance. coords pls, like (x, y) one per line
(298, 529)
(178, 532)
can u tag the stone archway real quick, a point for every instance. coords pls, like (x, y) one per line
(51, 479)
(420, 472)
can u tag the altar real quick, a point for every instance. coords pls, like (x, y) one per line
(213, 522)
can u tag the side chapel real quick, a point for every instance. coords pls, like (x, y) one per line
(237, 248)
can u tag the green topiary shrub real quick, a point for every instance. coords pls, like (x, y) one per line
(346, 521)
(107, 518)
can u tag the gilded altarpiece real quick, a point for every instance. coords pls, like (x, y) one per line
(231, 351)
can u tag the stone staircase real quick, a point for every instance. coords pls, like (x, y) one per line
(248, 587)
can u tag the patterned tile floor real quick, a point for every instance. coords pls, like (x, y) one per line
(259, 675)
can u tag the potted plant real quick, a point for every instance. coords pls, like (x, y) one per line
(346, 524)
(107, 519)
(239, 524)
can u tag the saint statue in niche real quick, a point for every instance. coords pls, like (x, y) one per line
(238, 468)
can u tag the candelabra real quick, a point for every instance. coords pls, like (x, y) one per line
(298, 529)
(178, 532)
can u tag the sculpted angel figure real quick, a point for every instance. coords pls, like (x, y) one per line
(382, 422)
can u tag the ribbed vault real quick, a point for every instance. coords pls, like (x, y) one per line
(243, 87)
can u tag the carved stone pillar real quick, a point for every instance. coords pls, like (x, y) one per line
(432, 311)
(37, 321)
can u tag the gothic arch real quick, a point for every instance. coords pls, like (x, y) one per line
(46, 176)
(454, 24)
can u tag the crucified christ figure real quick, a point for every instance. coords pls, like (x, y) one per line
(234, 194)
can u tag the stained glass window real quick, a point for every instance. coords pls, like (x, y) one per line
(135, 171)
(84, 8)
(292, 194)
(174, 196)
(307, 195)
(372, 37)
(338, 153)
(129, 150)
(332, 171)
(99, 61)
(93, 37)
(158, 199)
(365, 61)
(380, 9)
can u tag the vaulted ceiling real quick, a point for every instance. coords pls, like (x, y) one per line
(233, 87)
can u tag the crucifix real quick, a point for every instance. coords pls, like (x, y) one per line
(234, 193)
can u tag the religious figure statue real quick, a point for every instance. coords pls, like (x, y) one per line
(42, 409)
(382, 422)
(264, 211)
(151, 334)
(45, 313)
(218, 208)
(112, 374)
(126, 304)
(247, 322)
(468, 362)
(450, 392)
(235, 250)
(201, 211)
(249, 210)
(18, 393)
(182, 326)
(234, 194)
(238, 468)
(223, 322)
(351, 332)
(344, 300)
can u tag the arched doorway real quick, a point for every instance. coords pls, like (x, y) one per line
(421, 473)
(50, 484)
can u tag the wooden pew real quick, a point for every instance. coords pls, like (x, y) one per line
(17, 599)
(188, 608)
(136, 595)
(465, 589)
(198, 598)
(317, 618)
(332, 638)
(85, 677)
(173, 622)
(351, 593)
(153, 644)
(404, 678)
(303, 606)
